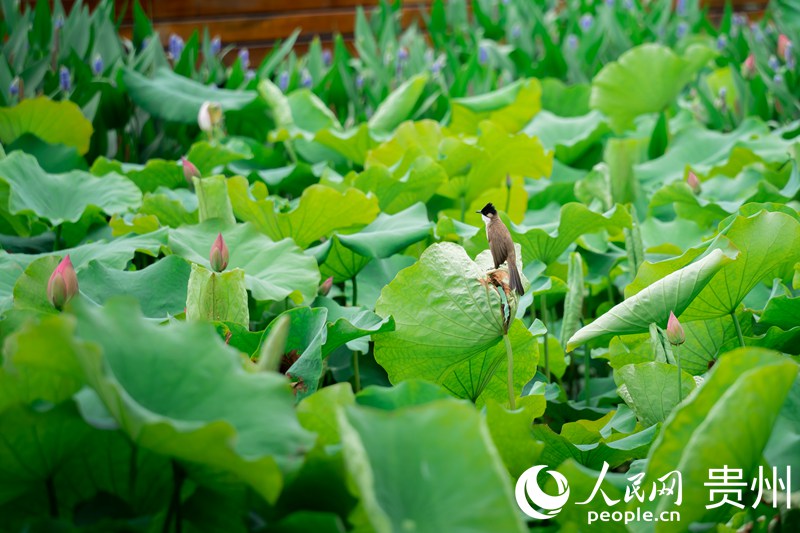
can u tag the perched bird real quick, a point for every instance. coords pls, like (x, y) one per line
(501, 245)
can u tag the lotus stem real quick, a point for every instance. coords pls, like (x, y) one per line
(510, 354)
(678, 363)
(355, 292)
(356, 372)
(52, 500)
(178, 475)
(587, 365)
(738, 328)
(545, 319)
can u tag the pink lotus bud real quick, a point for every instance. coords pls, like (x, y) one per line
(693, 182)
(749, 66)
(189, 170)
(325, 288)
(783, 44)
(675, 334)
(219, 254)
(63, 284)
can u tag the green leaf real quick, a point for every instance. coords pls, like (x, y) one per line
(455, 339)
(512, 432)
(651, 389)
(273, 270)
(63, 197)
(213, 201)
(339, 262)
(208, 156)
(510, 107)
(160, 288)
(389, 234)
(403, 464)
(673, 293)
(406, 394)
(346, 324)
(179, 391)
(398, 106)
(317, 412)
(403, 185)
(727, 421)
(644, 79)
(53, 122)
(570, 137)
(149, 177)
(217, 297)
(172, 97)
(320, 211)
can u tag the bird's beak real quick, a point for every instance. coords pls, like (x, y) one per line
(477, 211)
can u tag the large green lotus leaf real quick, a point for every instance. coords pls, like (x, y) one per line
(273, 270)
(510, 107)
(217, 296)
(449, 325)
(208, 156)
(113, 254)
(346, 324)
(53, 122)
(63, 197)
(148, 177)
(565, 100)
(178, 390)
(651, 389)
(409, 477)
(30, 290)
(404, 185)
(673, 293)
(320, 211)
(398, 106)
(160, 288)
(782, 311)
(339, 262)
(727, 421)
(645, 79)
(512, 432)
(421, 136)
(570, 137)
(169, 209)
(353, 144)
(172, 97)
(546, 245)
(406, 394)
(592, 442)
(768, 242)
(786, 341)
(317, 412)
(389, 234)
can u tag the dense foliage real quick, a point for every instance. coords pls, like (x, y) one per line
(297, 326)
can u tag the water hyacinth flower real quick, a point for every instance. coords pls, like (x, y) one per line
(483, 55)
(218, 257)
(739, 19)
(572, 41)
(402, 54)
(610, 3)
(516, 31)
(63, 284)
(327, 58)
(249, 75)
(777, 79)
(13, 87)
(680, 8)
(59, 22)
(628, 4)
(305, 79)
(359, 81)
(64, 80)
(283, 81)
(216, 45)
(244, 58)
(145, 42)
(325, 288)
(210, 116)
(755, 29)
(586, 22)
(436, 68)
(788, 56)
(675, 333)
(97, 65)
(189, 170)
(175, 46)
(693, 182)
(681, 30)
(749, 66)
(722, 42)
(773, 63)
(783, 43)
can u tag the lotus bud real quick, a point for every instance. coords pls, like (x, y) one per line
(783, 44)
(219, 254)
(325, 288)
(693, 182)
(675, 334)
(749, 66)
(189, 170)
(63, 284)
(210, 116)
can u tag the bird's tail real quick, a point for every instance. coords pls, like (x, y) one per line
(515, 282)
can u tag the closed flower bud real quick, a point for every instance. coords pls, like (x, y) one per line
(675, 334)
(749, 66)
(783, 44)
(210, 116)
(693, 182)
(219, 254)
(189, 170)
(63, 284)
(325, 288)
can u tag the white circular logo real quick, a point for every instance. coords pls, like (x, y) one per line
(528, 488)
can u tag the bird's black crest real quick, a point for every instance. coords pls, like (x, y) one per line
(488, 209)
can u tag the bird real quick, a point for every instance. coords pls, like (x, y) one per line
(501, 245)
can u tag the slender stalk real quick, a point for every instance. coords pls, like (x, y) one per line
(356, 372)
(510, 354)
(587, 365)
(508, 199)
(174, 510)
(463, 208)
(678, 362)
(545, 319)
(738, 328)
(57, 240)
(355, 292)
(52, 500)
(133, 469)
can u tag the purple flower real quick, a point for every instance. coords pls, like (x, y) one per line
(359, 81)
(59, 22)
(97, 65)
(305, 79)
(722, 42)
(787, 53)
(244, 58)
(723, 92)
(145, 42)
(402, 54)
(773, 63)
(628, 4)
(436, 68)
(586, 22)
(13, 88)
(778, 79)
(483, 55)
(64, 80)
(250, 74)
(681, 8)
(175, 46)
(283, 81)
(681, 30)
(326, 57)
(739, 19)
(610, 3)
(758, 35)
(572, 41)
(516, 31)
(216, 45)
